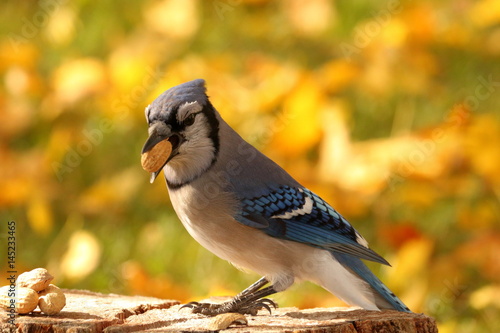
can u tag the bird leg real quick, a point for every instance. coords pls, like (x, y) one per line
(249, 301)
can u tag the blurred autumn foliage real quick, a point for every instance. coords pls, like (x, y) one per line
(389, 110)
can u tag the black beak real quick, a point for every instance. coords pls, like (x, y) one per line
(152, 141)
(155, 138)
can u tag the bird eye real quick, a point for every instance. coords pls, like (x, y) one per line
(189, 120)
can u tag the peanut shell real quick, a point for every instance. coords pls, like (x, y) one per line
(154, 159)
(223, 321)
(37, 279)
(52, 300)
(25, 299)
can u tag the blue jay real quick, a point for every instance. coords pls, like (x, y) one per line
(246, 209)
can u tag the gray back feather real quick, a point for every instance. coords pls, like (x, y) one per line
(250, 172)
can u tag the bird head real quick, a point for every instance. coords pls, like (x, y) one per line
(183, 117)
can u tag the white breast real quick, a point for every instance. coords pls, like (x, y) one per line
(211, 224)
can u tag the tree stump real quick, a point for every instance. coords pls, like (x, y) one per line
(94, 312)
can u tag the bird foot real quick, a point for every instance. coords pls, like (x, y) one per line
(234, 305)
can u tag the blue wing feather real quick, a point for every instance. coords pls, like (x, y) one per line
(297, 214)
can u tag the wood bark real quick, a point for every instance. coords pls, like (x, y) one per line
(94, 312)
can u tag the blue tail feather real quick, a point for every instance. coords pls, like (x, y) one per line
(357, 266)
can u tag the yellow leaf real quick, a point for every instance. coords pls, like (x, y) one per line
(309, 17)
(26, 54)
(55, 151)
(415, 296)
(15, 190)
(301, 127)
(82, 257)
(336, 147)
(139, 281)
(448, 326)
(17, 81)
(418, 194)
(272, 80)
(410, 268)
(337, 74)
(421, 22)
(76, 79)
(479, 216)
(173, 18)
(61, 25)
(481, 252)
(485, 13)
(40, 216)
(486, 296)
(481, 145)
(394, 34)
(412, 261)
(109, 191)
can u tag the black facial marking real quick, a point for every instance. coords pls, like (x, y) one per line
(209, 112)
(175, 140)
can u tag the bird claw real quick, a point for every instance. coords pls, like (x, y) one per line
(213, 309)
(209, 309)
(191, 305)
(264, 303)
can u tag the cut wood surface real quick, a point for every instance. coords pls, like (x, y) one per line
(94, 312)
